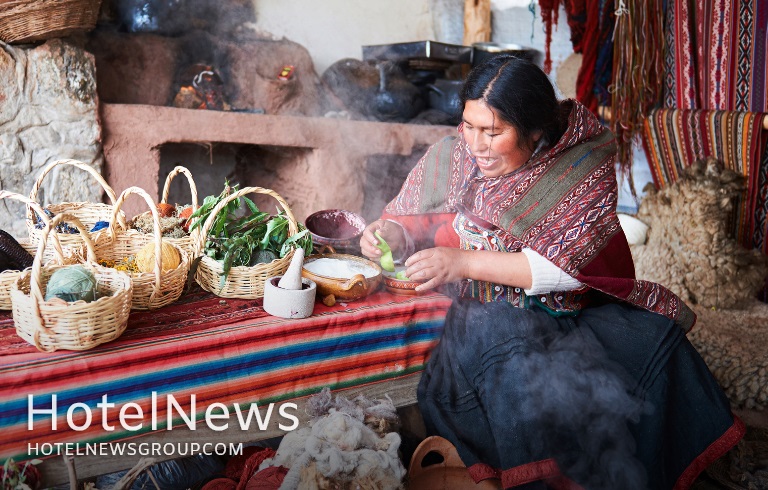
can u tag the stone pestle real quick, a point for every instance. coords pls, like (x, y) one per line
(292, 277)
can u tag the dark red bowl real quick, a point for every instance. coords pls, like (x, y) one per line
(339, 228)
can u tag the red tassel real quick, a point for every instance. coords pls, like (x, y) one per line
(549, 15)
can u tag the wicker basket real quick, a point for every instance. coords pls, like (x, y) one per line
(79, 325)
(243, 281)
(34, 20)
(88, 213)
(9, 277)
(150, 289)
(187, 243)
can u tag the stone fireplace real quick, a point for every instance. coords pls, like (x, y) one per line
(314, 163)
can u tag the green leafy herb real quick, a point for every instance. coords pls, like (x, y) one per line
(245, 237)
(386, 260)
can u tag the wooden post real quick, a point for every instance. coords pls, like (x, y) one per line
(477, 21)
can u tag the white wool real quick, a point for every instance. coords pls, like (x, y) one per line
(635, 230)
(341, 448)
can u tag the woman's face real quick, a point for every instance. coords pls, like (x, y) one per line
(494, 143)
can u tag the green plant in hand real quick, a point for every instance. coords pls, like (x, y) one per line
(246, 237)
(386, 260)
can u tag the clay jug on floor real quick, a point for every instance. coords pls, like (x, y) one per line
(448, 474)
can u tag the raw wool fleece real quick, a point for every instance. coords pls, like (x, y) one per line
(350, 444)
(732, 343)
(688, 248)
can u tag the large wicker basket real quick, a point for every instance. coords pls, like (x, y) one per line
(79, 325)
(88, 213)
(243, 281)
(34, 20)
(8, 277)
(150, 289)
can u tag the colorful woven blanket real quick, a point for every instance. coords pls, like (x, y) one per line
(222, 350)
(716, 55)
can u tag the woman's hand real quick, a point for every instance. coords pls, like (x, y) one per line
(392, 233)
(436, 266)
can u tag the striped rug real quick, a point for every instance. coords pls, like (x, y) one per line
(675, 138)
(222, 350)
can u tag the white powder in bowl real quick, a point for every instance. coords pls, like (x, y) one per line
(340, 269)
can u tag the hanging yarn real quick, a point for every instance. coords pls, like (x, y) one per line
(169, 254)
(73, 283)
(638, 71)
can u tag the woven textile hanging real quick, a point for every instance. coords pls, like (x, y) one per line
(675, 138)
(717, 60)
(591, 27)
(717, 56)
(637, 70)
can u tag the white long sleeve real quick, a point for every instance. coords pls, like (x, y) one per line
(546, 276)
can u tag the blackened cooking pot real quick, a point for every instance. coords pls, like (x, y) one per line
(484, 51)
(445, 96)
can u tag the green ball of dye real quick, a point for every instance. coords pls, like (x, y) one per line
(71, 283)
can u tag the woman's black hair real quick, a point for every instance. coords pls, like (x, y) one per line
(521, 94)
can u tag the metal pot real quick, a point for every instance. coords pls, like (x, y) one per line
(484, 51)
(445, 96)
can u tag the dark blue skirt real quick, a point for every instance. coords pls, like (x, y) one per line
(614, 398)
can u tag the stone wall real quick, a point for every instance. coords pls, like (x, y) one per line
(48, 111)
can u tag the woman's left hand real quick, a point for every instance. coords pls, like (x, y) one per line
(436, 266)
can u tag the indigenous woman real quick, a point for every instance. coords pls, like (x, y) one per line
(556, 367)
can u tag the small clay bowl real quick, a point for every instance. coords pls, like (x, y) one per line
(343, 288)
(399, 286)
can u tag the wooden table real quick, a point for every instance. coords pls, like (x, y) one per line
(222, 351)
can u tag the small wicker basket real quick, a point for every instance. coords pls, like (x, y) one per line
(23, 21)
(88, 213)
(8, 277)
(187, 243)
(150, 289)
(79, 325)
(243, 281)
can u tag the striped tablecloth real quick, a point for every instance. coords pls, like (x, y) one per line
(221, 350)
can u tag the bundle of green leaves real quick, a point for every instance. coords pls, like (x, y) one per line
(247, 236)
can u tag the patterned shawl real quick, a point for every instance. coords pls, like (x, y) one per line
(561, 203)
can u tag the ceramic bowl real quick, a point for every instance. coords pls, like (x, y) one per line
(337, 228)
(347, 277)
(399, 286)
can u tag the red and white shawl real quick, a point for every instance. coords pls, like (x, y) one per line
(561, 203)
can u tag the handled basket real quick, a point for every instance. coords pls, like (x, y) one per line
(88, 213)
(79, 325)
(188, 243)
(8, 277)
(245, 282)
(150, 289)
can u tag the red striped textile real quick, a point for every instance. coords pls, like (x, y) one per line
(221, 350)
(674, 139)
(716, 57)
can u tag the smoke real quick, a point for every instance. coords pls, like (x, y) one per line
(177, 17)
(583, 400)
